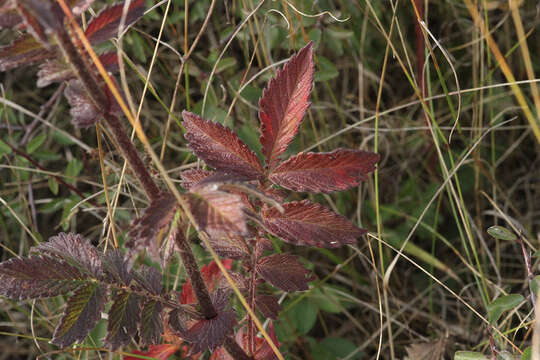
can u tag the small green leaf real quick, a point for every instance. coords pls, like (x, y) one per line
(4, 148)
(335, 348)
(35, 143)
(73, 169)
(527, 354)
(535, 284)
(53, 185)
(502, 304)
(326, 71)
(225, 63)
(469, 355)
(501, 233)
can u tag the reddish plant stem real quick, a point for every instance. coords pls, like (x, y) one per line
(97, 95)
(99, 98)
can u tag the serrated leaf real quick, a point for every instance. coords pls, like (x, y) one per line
(307, 223)
(9, 18)
(115, 267)
(325, 172)
(75, 250)
(284, 272)
(160, 352)
(469, 355)
(210, 333)
(284, 103)
(24, 50)
(151, 325)
(105, 25)
(82, 313)
(83, 111)
(35, 143)
(124, 316)
(38, 277)
(193, 177)
(155, 218)
(149, 278)
(502, 304)
(217, 212)
(220, 148)
(230, 246)
(268, 306)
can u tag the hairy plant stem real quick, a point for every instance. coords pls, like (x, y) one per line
(100, 100)
(97, 95)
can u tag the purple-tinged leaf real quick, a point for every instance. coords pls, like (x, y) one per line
(124, 316)
(83, 111)
(268, 306)
(41, 17)
(155, 218)
(212, 277)
(105, 25)
(311, 224)
(230, 246)
(325, 172)
(284, 272)
(53, 71)
(24, 50)
(75, 250)
(151, 325)
(210, 333)
(263, 351)
(284, 103)
(116, 269)
(82, 313)
(220, 148)
(109, 61)
(9, 18)
(217, 212)
(193, 176)
(38, 277)
(149, 278)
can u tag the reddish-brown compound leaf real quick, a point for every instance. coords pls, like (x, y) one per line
(284, 272)
(324, 172)
(192, 177)
(82, 313)
(24, 50)
(38, 277)
(105, 25)
(123, 319)
(75, 250)
(284, 103)
(160, 352)
(9, 18)
(220, 148)
(156, 217)
(210, 333)
(217, 212)
(83, 111)
(307, 223)
(109, 61)
(268, 306)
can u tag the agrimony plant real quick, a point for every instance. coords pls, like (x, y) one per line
(240, 205)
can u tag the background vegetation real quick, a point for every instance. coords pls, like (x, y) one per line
(459, 154)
